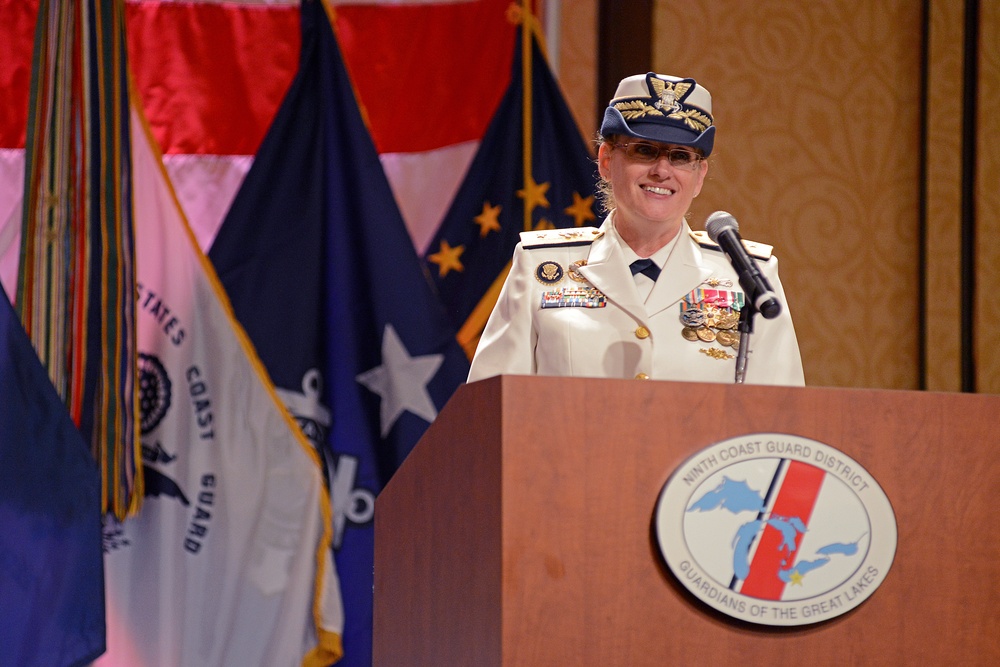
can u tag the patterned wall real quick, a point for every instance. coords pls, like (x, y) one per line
(944, 197)
(818, 106)
(577, 60)
(986, 330)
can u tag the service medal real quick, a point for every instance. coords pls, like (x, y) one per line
(692, 317)
(726, 338)
(711, 315)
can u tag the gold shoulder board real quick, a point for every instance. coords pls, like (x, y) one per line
(754, 249)
(548, 238)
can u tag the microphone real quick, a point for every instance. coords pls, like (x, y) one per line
(724, 230)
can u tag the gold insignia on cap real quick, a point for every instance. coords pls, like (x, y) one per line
(636, 109)
(693, 118)
(669, 92)
(666, 99)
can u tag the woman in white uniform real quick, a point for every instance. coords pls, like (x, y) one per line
(643, 296)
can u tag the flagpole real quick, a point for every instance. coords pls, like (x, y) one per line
(526, 25)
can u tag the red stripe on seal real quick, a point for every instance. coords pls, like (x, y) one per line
(796, 498)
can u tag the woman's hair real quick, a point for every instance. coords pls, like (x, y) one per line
(605, 196)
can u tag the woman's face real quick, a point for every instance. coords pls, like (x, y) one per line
(649, 195)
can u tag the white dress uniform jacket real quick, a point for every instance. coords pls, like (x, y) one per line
(573, 272)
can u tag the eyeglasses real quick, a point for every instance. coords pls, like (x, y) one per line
(644, 152)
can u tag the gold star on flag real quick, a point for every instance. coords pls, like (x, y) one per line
(533, 194)
(447, 258)
(544, 224)
(489, 219)
(582, 209)
(796, 578)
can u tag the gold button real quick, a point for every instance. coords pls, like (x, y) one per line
(641, 376)
(642, 332)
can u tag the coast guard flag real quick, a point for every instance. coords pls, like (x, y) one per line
(229, 561)
(501, 196)
(51, 574)
(324, 278)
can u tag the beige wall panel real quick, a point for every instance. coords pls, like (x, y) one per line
(944, 197)
(578, 62)
(817, 108)
(987, 331)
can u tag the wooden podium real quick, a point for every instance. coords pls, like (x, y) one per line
(520, 529)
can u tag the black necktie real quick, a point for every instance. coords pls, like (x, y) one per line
(647, 267)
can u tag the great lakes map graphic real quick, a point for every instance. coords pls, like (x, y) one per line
(776, 529)
(736, 497)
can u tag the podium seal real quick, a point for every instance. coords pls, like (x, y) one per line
(776, 529)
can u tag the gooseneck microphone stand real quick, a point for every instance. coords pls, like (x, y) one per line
(745, 328)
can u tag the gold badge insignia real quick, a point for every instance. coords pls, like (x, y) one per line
(549, 273)
(717, 282)
(574, 271)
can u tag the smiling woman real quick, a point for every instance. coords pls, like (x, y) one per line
(643, 296)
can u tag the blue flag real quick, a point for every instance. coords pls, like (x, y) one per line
(469, 256)
(51, 569)
(323, 276)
